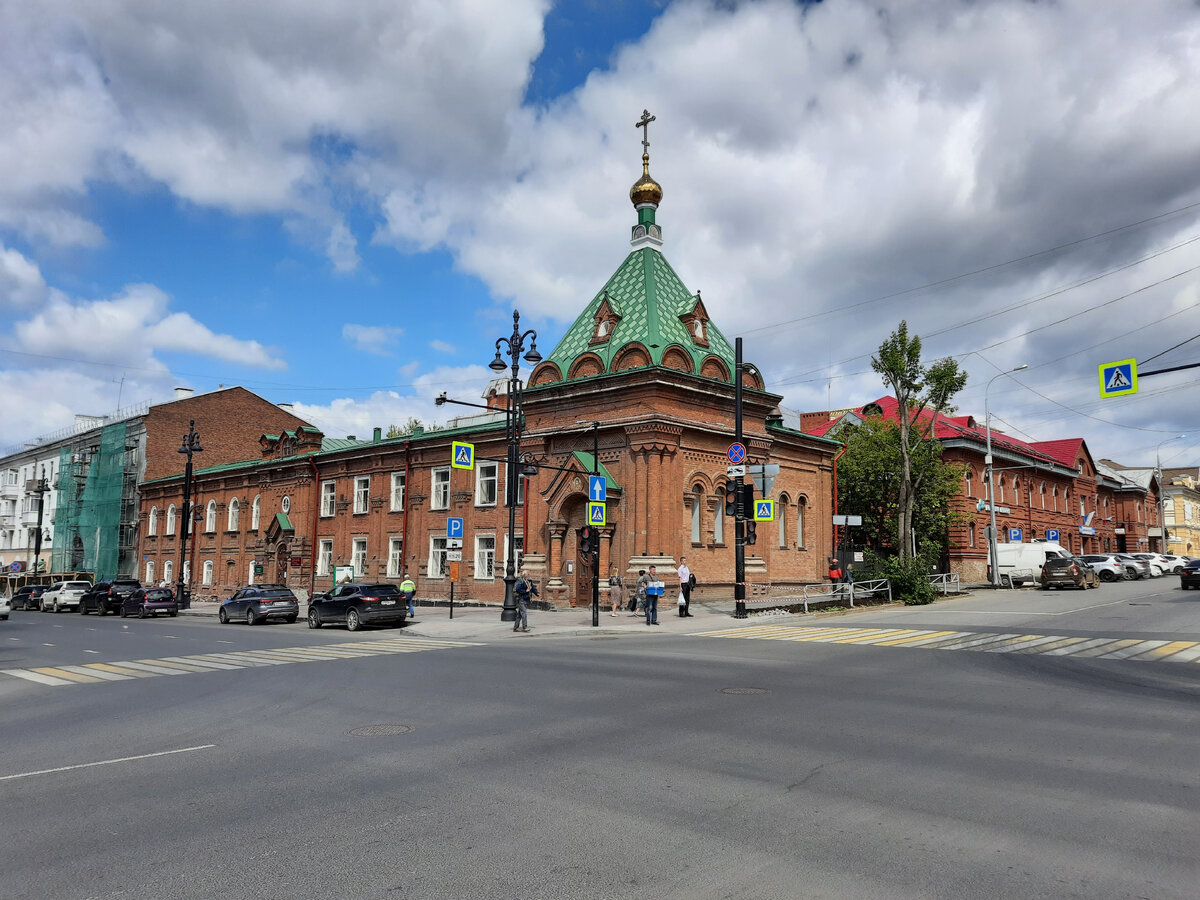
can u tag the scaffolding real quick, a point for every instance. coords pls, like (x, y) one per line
(95, 524)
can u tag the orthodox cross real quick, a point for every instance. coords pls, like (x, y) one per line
(644, 124)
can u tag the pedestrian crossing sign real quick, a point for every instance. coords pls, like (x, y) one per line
(764, 510)
(1118, 378)
(596, 514)
(462, 455)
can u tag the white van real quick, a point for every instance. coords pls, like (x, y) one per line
(1019, 563)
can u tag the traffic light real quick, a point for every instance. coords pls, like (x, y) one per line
(585, 539)
(731, 498)
(751, 532)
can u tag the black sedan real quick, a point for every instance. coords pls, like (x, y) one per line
(29, 597)
(1189, 575)
(260, 603)
(150, 602)
(358, 605)
(108, 596)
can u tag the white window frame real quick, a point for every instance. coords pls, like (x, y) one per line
(170, 520)
(152, 523)
(207, 577)
(439, 488)
(485, 557)
(358, 556)
(520, 542)
(250, 572)
(398, 485)
(782, 517)
(437, 556)
(210, 517)
(168, 571)
(801, 509)
(487, 481)
(187, 571)
(362, 494)
(256, 513)
(324, 557)
(694, 513)
(719, 518)
(149, 571)
(395, 557)
(234, 517)
(328, 499)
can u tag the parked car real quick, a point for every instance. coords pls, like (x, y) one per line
(1175, 563)
(260, 603)
(1189, 575)
(1158, 565)
(108, 596)
(1106, 566)
(5, 606)
(64, 595)
(1134, 568)
(150, 602)
(357, 605)
(1020, 562)
(29, 597)
(1060, 573)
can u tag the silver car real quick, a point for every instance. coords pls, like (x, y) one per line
(1134, 568)
(1106, 566)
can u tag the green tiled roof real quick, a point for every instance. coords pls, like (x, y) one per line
(649, 297)
(585, 460)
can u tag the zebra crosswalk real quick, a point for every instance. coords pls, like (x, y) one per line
(978, 641)
(126, 670)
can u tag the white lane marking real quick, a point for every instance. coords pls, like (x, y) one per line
(107, 762)
(91, 651)
(200, 661)
(96, 673)
(37, 676)
(224, 642)
(47, 645)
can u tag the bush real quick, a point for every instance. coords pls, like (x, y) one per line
(910, 581)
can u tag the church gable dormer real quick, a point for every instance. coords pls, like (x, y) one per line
(696, 322)
(605, 321)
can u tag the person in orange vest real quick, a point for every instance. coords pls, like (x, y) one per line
(835, 571)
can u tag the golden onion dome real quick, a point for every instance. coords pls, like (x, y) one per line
(646, 189)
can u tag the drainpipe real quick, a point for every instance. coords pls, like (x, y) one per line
(836, 457)
(312, 562)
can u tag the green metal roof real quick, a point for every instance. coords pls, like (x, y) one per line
(284, 523)
(649, 297)
(585, 460)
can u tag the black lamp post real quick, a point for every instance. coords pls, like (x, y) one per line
(512, 346)
(191, 444)
(40, 490)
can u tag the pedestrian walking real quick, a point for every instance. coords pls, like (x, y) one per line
(653, 589)
(523, 590)
(685, 588)
(408, 588)
(637, 603)
(615, 589)
(835, 571)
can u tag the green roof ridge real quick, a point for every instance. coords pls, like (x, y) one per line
(585, 459)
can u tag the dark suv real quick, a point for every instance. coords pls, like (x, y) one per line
(357, 605)
(29, 597)
(260, 603)
(1060, 572)
(108, 596)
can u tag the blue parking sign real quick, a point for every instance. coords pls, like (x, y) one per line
(454, 527)
(1052, 534)
(1014, 535)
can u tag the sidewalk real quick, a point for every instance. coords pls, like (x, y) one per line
(479, 622)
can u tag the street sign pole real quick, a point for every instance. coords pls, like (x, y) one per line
(739, 527)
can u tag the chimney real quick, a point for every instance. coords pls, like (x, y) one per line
(351, 437)
(182, 393)
(378, 436)
(288, 406)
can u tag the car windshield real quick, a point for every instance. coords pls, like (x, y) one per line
(1059, 563)
(379, 590)
(276, 593)
(76, 585)
(159, 594)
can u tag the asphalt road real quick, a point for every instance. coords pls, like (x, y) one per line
(673, 765)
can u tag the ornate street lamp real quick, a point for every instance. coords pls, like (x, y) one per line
(512, 346)
(191, 444)
(42, 488)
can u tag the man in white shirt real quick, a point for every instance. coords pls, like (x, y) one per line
(685, 587)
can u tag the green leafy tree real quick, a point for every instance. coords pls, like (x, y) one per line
(918, 389)
(412, 426)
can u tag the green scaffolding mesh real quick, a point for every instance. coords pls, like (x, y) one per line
(91, 497)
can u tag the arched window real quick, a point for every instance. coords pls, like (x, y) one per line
(168, 571)
(234, 514)
(1054, 497)
(1042, 491)
(256, 512)
(801, 507)
(696, 503)
(1016, 491)
(782, 516)
(149, 571)
(971, 535)
(171, 519)
(152, 525)
(210, 520)
(1000, 490)
(719, 517)
(208, 572)
(967, 476)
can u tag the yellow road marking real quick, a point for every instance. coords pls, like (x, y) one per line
(1168, 650)
(919, 636)
(70, 676)
(120, 670)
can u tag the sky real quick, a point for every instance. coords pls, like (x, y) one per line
(340, 205)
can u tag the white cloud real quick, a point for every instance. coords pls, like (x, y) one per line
(443, 347)
(377, 339)
(21, 282)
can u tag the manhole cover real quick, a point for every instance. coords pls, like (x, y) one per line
(380, 730)
(744, 691)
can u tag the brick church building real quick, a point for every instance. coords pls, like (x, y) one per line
(643, 376)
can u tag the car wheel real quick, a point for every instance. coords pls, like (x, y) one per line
(142, 612)
(172, 614)
(353, 622)
(123, 613)
(1107, 576)
(222, 616)
(82, 608)
(291, 619)
(102, 608)
(314, 619)
(56, 609)
(251, 616)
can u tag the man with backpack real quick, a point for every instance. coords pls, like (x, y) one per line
(522, 591)
(408, 588)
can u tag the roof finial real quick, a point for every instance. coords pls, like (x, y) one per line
(644, 124)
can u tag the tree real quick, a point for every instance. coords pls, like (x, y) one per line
(412, 426)
(921, 392)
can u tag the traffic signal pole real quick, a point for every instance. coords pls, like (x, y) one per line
(739, 527)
